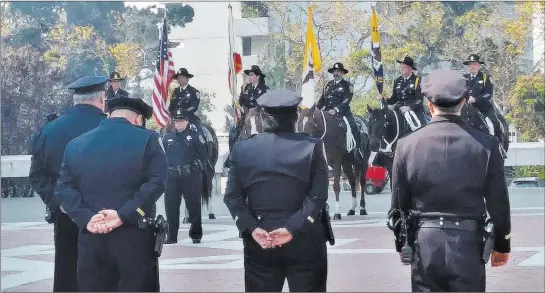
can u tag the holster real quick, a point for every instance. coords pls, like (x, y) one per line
(160, 231)
(50, 215)
(488, 241)
(325, 218)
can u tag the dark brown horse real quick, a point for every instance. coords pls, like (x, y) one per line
(332, 130)
(211, 141)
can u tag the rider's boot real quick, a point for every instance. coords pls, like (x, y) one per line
(357, 150)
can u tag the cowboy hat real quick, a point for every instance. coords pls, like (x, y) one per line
(182, 72)
(255, 69)
(408, 61)
(473, 58)
(338, 66)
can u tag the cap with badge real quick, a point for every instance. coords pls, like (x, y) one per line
(115, 76)
(280, 102)
(444, 88)
(179, 114)
(89, 84)
(136, 105)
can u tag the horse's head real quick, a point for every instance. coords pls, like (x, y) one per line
(383, 125)
(309, 123)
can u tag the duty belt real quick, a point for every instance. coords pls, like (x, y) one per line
(186, 169)
(442, 223)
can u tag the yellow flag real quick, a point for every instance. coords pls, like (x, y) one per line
(312, 46)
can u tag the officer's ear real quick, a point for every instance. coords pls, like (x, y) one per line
(432, 108)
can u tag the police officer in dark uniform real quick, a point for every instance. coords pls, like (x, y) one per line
(187, 98)
(249, 94)
(47, 153)
(109, 182)
(276, 188)
(407, 93)
(336, 100)
(445, 177)
(480, 90)
(186, 154)
(114, 90)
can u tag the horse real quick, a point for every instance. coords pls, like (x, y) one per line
(386, 126)
(475, 118)
(332, 130)
(212, 152)
(252, 125)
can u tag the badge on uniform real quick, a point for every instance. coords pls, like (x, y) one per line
(188, 138)
(188, 94)
(481, 81)
(412, 85)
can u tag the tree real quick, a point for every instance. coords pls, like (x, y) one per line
(527, 100)
(30, 90)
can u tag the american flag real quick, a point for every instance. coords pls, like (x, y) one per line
(161, 80)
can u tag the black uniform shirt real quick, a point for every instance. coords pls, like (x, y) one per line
(449, 168)
(184, 147)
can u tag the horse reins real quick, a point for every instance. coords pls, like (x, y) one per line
(389, 145)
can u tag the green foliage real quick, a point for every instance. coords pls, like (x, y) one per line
(527, 100)
(530, 171)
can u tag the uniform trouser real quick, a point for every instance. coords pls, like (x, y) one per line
(353, 127)
(491, 114)
(128, 250)
(303, 261)
(447, 260)
(190, 186)
(66, 254)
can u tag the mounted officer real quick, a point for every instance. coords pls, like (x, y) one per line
(114, 90)
(186, 98)
(249, 94)
(186, 155)
(407, 96)
(47, 151)
(108, 184)
(480, 89)
(336, 100)
(445, 178)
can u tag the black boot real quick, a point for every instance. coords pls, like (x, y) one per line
(357, 150)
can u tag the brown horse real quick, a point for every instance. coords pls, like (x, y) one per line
(332, 130)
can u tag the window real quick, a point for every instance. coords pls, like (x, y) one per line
(246, 46)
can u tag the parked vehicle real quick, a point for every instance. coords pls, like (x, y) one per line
(376, 178)
(525, 182)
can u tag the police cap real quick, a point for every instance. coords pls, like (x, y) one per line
(179, 114)
(136, 105)
(280, 102)
(444, 88)
(89, 84)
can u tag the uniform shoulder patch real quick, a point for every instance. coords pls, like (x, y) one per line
(351, 88)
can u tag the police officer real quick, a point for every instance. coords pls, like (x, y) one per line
(407, 93)
(276, 188)
(249, 94)
(446, 176)
(47, 152)
(110, 179)
(114, 90)
(336, 99)
(186, 153)
(480, 90)
(186, 98)
(254, 89)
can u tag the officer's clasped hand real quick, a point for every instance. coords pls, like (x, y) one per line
(104, 222)
(272, 239)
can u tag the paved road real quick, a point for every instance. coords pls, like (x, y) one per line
(362, 259)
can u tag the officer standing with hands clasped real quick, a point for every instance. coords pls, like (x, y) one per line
(444, 214)
(109, 182)
(185, 150)
(47, 152)
(276, 191)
